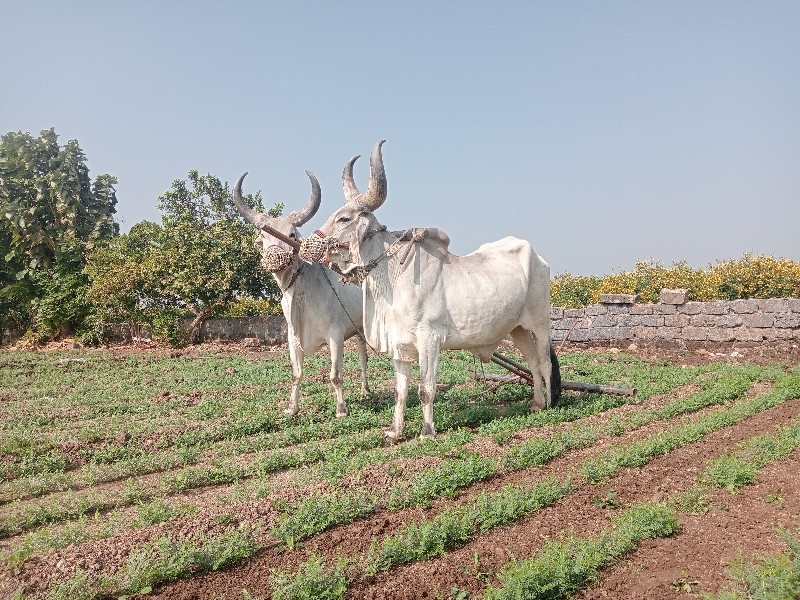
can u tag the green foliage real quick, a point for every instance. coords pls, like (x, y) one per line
(511, 502)
(769, 578)
(76, 587)
(574, 291)
(155, 511)
(51, 217)
(731, 473)
(539, 451)
(598, 468)
(167, 560)
(311, 582)
(251, 307)
(317, 513)
(119, 279)
(737, 469)
(453, 528)
(562, 567)
(416, 541)
(750, 276)
(197, 263)
(49, 200)
(444, 480)
(757, 277)
(217, 419)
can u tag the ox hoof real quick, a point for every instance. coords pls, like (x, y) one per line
(427, 433)
(340, 414)
(290, 411)
(390, 437)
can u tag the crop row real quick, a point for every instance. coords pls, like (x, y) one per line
(444, 480)
(340, 458)
(453, 528)
(345, 509)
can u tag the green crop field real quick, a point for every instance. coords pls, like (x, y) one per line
(171, 475)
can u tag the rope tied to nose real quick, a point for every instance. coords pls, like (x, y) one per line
(315, 246)
(359, 273)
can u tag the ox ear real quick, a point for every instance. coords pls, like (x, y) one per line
(301, 217)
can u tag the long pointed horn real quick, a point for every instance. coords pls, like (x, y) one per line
(301, 217)
(248, 214)
(376, 193)
(348, 184)
(377, 190)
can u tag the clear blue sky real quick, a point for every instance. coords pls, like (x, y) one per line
(603, 132)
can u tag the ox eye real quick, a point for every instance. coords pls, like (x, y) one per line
(344, 219)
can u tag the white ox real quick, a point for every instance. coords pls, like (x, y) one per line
(422, 299)
(319, 309)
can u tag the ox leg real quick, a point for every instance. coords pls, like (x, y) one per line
(296, 357)
(541, 339)
(336, 346)
(543, 349)
(525, 343)
(362, 357)
(402, 370)
(428, 367)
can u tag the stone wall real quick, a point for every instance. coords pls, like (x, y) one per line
(617, 320)
(270, 330)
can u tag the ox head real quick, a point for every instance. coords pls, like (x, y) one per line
(348, 226)
(279, 236)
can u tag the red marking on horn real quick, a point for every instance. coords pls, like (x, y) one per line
(318, 233)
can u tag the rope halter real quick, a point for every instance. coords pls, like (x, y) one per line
(315, 250)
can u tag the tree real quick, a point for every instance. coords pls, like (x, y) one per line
(51, 217)
(206, 257)
(198, 260)
(120, 283)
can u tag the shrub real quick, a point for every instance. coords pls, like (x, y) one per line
(251, 307)
(748, 277)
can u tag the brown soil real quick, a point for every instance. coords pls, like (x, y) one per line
(685, 565)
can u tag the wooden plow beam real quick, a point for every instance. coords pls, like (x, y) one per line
(522, 372)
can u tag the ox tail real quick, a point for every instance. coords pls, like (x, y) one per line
(555, 378)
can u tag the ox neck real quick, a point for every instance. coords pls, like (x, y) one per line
(378, 253)
(287, 278)
(376, 245)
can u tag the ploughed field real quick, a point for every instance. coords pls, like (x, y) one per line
(149, 473)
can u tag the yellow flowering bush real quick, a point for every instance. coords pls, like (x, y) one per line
(757, 277)
(570, 291)
(748, 277)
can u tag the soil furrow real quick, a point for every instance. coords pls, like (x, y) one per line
(654, 482)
